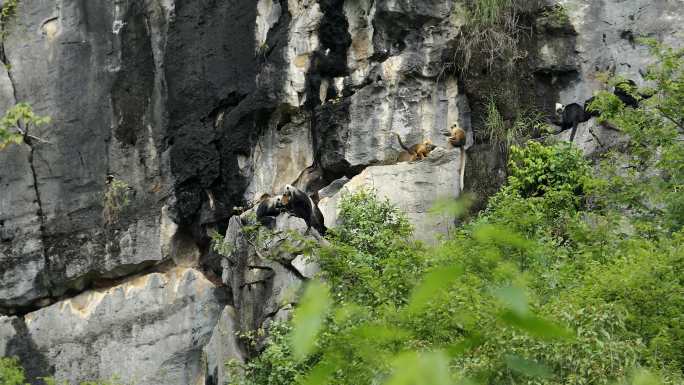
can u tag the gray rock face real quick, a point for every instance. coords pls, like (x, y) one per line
(223, 347)
(395, 65)
(264, 270)
(148, 330)
(166, 114)
(605, 41)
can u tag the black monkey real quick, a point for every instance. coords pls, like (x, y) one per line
(572, 115)
(269, 208)
(625, 91)
(303, 207)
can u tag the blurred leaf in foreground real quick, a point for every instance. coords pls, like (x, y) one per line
(535, 326)
(527, 367)
(434, 282)
(452, 207)
(514, 298)
(308, 318)
(425, 368)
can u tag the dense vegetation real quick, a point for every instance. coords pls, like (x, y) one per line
(574, 274)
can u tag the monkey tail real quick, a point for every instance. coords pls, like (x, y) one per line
(402, 143)
(574, 130)
(463, 164)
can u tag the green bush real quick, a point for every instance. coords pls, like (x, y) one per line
(371, 258)
(275, 365)
(11, 372)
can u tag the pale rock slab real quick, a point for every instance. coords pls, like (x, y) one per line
(148, 330)
(414, 187)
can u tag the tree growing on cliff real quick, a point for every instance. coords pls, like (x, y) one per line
(17, 123)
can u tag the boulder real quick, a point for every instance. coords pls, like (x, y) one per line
(414, 187)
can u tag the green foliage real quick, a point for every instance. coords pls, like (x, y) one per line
(655, 145)
(371, 259)
(555, 16)
(9, 10)
(275, 365)
(308, 318)
(116, 199)
(219, 245)
(537, 170)
(503, 134)
(11, 372)
(16, 124)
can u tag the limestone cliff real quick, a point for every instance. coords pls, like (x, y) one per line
(166, 114)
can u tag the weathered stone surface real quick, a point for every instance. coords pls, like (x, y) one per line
(259, 269)
(280, 156)
(605, 40)
(306, 266)
(22, 264)
(485, 172)
(332, 189)
(396, 84)
(223, 347)
(414, 187)
(149, 330)
(594, 138)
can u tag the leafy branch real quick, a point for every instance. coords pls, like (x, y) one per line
(16, 125)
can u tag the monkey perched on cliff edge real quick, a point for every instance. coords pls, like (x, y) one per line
(415, 152)
(458, 140)
(269, 208)
(571, 116)
(303, 207)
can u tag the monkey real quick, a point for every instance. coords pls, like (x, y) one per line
(269, 208)
(302, 206)
(458, 136)
(571, 116)
(416, 152)
(458, 140)
(625, 91)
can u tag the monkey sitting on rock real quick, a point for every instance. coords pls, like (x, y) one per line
(269, 208)
(458, 140)
(416, 152)
(571, 116)
(302, 206)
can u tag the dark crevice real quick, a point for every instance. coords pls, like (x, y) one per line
(40, 213)
(96, 281)
(34, 175)
(8, 67)
(294, 271)
(21, 345)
